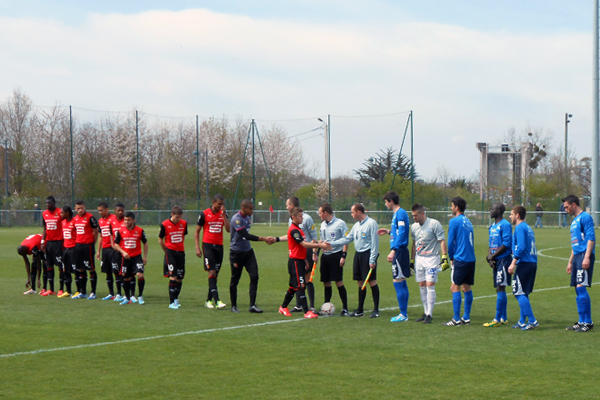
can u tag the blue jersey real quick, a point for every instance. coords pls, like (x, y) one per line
(582, 231)
(524, 249)
(460, 239)
(501, 234)
(399, 230)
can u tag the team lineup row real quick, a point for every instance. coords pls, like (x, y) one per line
(69, 242)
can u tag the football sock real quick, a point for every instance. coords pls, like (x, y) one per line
(127, 289)
(110, 284)
(68, 280)
(310, 290)
(431, 295)
(93, 280)
(51, 278)
(141, 284)
(526, 308)
(586, 304)
(501, 306)
(118, 283)
(172, 290)
(213, 293)
(343, 296)
(253, 290)
(83, 281)
(402, 296)
(289, 295)
(132, 286)
(233, 294)
(328, 293)
(45, 277)
(32, 277)
(580, 306)
(301, 294)
(362, 294)
(423, 290)
(375, 293)
(178, 292)
(468, 304)
(456, 300)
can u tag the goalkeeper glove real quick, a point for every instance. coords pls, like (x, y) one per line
(445, 262)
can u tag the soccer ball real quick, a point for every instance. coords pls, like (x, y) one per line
(327, 309)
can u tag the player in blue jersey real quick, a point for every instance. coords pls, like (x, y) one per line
(581, 262)
(462, 255)
(499, 258)
(524, 267)
(399, 256)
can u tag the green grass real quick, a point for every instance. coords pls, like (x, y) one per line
(233, 356)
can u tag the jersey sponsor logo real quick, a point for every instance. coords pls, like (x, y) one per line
(51, 225)
(105, 231)
(130, 243)
(176, 238)
(214, 228)
(80, 229)
(67, 234)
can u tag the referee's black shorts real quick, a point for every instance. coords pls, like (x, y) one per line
(361, 266)
(330, 267)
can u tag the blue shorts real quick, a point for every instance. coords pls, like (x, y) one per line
(580, 276)
(401, 264)
(463, 273)
(501, 275)
(524, 278)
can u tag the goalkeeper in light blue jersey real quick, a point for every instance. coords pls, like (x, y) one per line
(581, 261)
(399, 255)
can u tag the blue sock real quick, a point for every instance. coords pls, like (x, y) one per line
(456, 300)
(580, 307)
(468, 304)
(586, 304)
(503, 302)
(525, 308)
(402, 296)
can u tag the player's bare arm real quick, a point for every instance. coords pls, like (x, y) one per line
(197, 241)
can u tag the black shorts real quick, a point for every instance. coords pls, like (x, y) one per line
(132, 266)
(241, 260)
(463, 273)
(524, 278)
(85, 256)
(213, 256)
(116, 262)
(54, 253)
(309, 260)
(361, 266)
(175, 262)
(69, 260)
(330, 267)
(296, 269)
(106, 263)
(580, 276)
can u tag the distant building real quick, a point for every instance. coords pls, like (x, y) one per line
(503, 171)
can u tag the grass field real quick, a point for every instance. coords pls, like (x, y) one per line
(82, 349)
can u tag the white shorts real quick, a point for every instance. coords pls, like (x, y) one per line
(426, 268)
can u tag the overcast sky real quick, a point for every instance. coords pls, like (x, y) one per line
(469, 70)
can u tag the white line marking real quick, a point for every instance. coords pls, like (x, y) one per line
(540, 253)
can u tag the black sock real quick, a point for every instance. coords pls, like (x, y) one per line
(93, 280)
(343, 296)
(32, 277)
(131, 286)
(51, 278)
(141, 284)
(127, 289)
(212, 287)
(301, 294)
(179, 285)
(375, 292)
(289, 295)
(61, 279)
(328, 292)
(68, 279)
(83, 282)
(118, 283)
(172, 290)
(361, 299)
(253, 291)
(310, 291)
(45, 278)
(233, 294)
(110, 284)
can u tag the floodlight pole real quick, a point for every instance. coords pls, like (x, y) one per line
(197, 165)
(72, 162)
(137, 156)
(412, 162)
(595, 148)
(207, 181)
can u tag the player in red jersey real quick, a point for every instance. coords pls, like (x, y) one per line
(132, 261)
(69, 260)
(105, 251)
(118, 222)
(86, 227)
(213, 220)
(52, 244)
(32, 246)
(171, 239)
(297, 264)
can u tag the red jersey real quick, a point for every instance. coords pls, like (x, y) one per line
(32, 242)
(105, 228)
(132, 240)
(295, 236)
(116, 224)
(85, 228)
(52, 223)
(173, 234)
(69, 233)
(213, 226)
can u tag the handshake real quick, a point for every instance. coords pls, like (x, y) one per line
(270, 240)
(314, 245)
